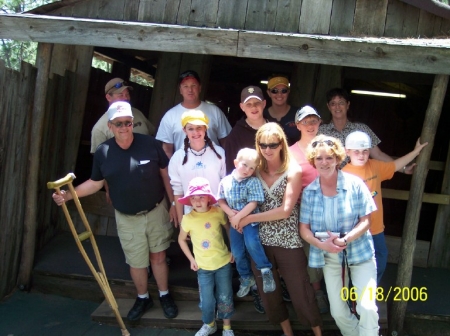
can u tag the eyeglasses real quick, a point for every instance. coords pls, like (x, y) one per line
(275, 91)
(120, 124)
(273, 145)
(328, 142)
(311, 122)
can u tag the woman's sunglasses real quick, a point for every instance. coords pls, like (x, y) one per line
(273, 145)
(327, 142)
(275, 91)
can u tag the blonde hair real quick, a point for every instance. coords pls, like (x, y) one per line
(320, 142)
(273, 130)
(249, 154)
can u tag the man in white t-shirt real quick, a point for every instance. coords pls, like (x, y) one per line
(170, 131)
(118, 90)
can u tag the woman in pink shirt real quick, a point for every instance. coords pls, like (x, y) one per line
(308, 122)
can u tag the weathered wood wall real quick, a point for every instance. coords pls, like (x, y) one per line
(388, 18)
(16, 104)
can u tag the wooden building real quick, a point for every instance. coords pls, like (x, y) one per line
(399, 46)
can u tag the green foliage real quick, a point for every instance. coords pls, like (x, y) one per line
(14, 52)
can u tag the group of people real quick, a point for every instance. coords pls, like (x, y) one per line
(297, 205)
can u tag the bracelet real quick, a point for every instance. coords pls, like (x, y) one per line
(173, 203)
(345, 241)
(404, 170)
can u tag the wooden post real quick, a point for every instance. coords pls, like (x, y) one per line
(37, 121)
(405, 265)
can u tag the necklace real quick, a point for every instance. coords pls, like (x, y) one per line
(200, 154)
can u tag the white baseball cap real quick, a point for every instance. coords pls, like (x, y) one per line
(119, 109)
(358, 140)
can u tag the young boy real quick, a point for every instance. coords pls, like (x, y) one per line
(212, 258)
(239, 195)
(373, 172)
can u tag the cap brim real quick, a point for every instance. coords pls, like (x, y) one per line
(249, 97)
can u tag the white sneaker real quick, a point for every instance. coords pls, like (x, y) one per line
(206, 330)
(227, 332)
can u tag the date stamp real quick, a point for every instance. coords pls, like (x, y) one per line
(394, 292)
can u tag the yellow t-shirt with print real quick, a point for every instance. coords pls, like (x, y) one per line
(205, 229)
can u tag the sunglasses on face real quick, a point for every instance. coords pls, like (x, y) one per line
(275, 91)
(327, 142)
(273, 145)
(120, 124)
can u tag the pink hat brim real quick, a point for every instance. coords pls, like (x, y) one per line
(186, 201)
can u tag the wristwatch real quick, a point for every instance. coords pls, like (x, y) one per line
(173, 203)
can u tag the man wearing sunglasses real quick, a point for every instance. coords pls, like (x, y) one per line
(118, 90)
(170, 132)
(136, 169)
(280, 111)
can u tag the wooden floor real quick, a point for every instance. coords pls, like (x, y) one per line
(245, 317)
(61, 270)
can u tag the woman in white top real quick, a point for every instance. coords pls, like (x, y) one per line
(200, 157)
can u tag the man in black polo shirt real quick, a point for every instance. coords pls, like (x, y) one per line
(135, 168)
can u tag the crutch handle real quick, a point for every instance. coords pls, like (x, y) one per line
(61, 182)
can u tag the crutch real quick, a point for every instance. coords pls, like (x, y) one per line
(99, 276)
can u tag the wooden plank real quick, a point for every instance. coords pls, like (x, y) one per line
(420, 258)
(189, 316)
(375, 53)
(288, 15)
(426, 24)
(203, 13)
(424, 56)
(111, 10)
(395, 17)
(171, 11)
(342, 15)
(184, 12)
(131, 10)
(151, 10)
(141, 36)
(411, 23)
(427, 197)
(232, 19)
(440, 249)
(261, 15)
(370, 17)
(410, 226)
(315, 17)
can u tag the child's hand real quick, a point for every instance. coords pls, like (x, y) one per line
(194, 266)
(231, 258)
(420, 146)
(234, 221)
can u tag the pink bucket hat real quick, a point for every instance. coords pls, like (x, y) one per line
(198, 186)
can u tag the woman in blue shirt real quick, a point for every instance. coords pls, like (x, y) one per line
(338, 205)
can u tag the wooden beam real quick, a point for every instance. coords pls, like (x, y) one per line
(405, 195)
(37, 122)
(411, 224)
(424, 55)
(118, 34)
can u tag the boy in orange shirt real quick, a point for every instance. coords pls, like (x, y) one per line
(373, 172)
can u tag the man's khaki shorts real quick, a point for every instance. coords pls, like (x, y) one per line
(143, 234)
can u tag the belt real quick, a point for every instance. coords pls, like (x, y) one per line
(143, 212)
